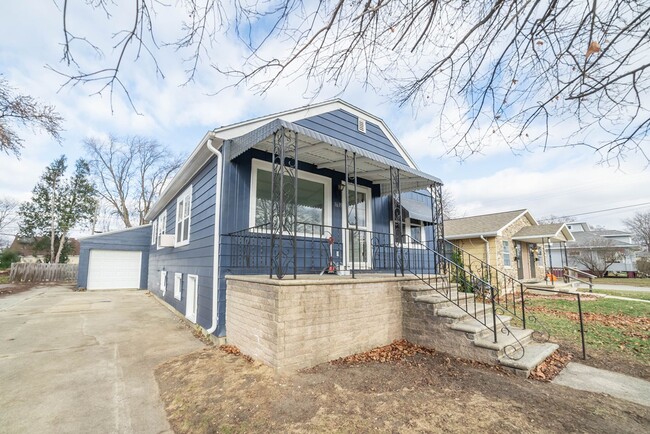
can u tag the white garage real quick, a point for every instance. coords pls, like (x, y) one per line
(114, 269)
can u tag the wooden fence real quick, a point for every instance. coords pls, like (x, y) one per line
(23, 272)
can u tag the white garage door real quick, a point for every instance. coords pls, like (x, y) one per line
(114, 269)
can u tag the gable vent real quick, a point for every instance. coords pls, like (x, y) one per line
(361, 125)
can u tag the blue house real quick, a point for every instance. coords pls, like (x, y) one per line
(294, 237)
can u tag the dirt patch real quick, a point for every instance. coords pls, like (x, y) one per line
(15, 288)
(212, 391)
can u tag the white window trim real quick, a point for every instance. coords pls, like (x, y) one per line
(503, 256)
(196, 297)
(368, 227)
(178, 285)
(407, 224)
(163, 282)
(185, 194)
(265, 165)
(161, 228)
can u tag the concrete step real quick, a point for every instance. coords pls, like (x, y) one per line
(534, 355)
(511, 342)
(438, 299)
(473, 308)
(472, 325)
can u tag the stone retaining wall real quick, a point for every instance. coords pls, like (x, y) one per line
(293, 324)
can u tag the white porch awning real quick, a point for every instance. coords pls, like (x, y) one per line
(326, 152)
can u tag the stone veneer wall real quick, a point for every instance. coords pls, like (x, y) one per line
(294, 324)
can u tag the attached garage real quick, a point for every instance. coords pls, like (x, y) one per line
(115, 260)
(114, 269)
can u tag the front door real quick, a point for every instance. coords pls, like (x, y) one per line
(531, 259)
(520, 259)
(358, 241)
(192, 297)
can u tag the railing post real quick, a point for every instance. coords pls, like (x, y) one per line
(523, 305)
(494, 314)
(582, 329)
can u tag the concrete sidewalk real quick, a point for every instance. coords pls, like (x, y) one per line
(82, 362)
(582, 377)
(630, 288)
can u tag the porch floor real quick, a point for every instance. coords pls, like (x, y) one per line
(325, 279)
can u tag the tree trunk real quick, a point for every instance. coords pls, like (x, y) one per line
(62, 241)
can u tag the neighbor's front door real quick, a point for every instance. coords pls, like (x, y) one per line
(520, 259)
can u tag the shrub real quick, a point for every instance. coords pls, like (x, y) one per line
(8, 257)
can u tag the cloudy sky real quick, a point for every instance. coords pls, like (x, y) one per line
(563, 181)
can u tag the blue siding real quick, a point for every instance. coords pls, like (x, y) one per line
(196, 257)
(342, 125)
(137, 239)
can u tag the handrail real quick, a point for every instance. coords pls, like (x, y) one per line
(506, 286)
(479, 286)
(566, 273)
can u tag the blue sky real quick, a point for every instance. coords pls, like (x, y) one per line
(558, 181)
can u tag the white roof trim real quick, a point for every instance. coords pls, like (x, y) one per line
(113, 232)
(524, 213)
(201, 155)
(292, 115)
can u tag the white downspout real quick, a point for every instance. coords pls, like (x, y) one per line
(487, 250)
(217, 238)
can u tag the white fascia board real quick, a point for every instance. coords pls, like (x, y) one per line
(195, 162)
(113, 232)
(236, 130)
(524, 213)
(476, 235)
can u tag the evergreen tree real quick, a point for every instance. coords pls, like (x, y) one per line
(58, 205)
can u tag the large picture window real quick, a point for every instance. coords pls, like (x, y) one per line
(313, 205)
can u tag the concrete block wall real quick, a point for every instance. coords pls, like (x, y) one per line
(293, 324)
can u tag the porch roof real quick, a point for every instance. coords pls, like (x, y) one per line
(326, 152)
(554, 232)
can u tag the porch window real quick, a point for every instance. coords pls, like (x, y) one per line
(416, 230)
(314, 196)
(506, 254)
(183, 217)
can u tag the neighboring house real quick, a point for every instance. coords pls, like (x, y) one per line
(25, 247)
(589, 239)
(511, 241)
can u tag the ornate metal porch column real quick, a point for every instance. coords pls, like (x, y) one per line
(438, 219)
(351, 180)
(398, 220)
(284, 200)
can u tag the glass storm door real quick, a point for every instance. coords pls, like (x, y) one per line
(358, 241)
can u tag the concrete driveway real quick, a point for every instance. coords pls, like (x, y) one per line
(83, 361)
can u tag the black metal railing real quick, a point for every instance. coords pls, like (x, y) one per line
(480, 290)
(315, 249)
(509, 292)
(481, 300)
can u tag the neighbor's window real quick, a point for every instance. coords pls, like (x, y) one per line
(311, 208)
(183, 217)
(178, 283)
(162, 226)
(506, 254)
